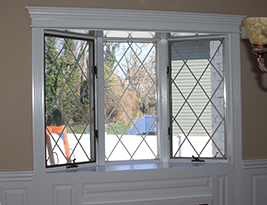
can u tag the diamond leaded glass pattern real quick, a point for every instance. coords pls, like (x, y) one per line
(130, 101)
(68, 100)
(198, 106)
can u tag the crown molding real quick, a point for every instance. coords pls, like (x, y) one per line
(115, 19)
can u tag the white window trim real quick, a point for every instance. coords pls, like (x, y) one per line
(99, 19)
(45, 17)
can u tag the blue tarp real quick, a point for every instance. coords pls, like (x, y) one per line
(143, 125)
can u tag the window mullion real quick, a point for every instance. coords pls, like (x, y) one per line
(100, 100)
(163, 104)
(38, 110)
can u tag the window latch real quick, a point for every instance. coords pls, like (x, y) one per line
(216, 155)
(169, 132)
(72, 165)
(168, 71)
(196, 159)
(96, 135)
(95, 70)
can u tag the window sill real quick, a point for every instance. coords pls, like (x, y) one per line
(132, 167)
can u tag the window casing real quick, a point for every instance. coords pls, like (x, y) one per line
(186, 178)
(162, 50)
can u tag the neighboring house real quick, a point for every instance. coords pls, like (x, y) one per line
(195, 58)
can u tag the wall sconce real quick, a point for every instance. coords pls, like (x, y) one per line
(257, 33)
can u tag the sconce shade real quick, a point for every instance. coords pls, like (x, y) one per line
(257, 30)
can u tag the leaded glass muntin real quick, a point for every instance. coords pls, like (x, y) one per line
(137, 55)
(208, 112)
(69, 100)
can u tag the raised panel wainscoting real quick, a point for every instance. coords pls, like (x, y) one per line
(90, 188)
(16, 188)
(200, 184)
(254, 182)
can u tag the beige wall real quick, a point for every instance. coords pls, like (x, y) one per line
(15, 77)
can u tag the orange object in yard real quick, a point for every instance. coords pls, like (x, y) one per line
(62, 131)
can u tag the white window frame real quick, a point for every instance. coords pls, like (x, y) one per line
(225, 87)
(104, 19)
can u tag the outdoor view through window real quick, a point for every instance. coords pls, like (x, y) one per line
(198, 102)
(130, 95)
(69, 100)
(130, 101)
(131, 119)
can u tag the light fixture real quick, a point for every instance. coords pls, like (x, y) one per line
(257, 32)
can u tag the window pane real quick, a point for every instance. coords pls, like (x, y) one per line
(198, 103)
(130, 101)
(68, 100)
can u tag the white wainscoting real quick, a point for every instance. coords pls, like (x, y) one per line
(63, 195)
(254, 182)
(201, 200)
(205, 185)
(222, 184)
(16, 188)
(14, 196)
(200, 185)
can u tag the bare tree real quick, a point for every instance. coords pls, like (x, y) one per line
(131, 84)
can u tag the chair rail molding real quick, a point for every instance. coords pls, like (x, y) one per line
(16, 176)
(255, 164)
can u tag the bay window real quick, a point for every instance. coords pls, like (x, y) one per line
(132, 120)
(116, 91)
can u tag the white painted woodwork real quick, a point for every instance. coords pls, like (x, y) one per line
(63, 195)
(16, 188)
(185, 184)
(254, 182)
(14, 196)
(222, 189)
